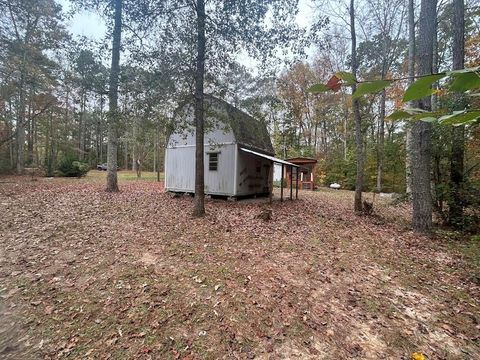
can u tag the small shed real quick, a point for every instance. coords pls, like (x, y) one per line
(306, 172)
(238, 152)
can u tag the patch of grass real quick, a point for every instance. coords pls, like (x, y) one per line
(371, 306)
(471, 251)
(124, 176)
(400, 340)
(298, 330)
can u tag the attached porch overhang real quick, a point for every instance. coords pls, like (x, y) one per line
(283, 163)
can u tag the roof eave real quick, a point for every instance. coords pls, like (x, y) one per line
(257, 149)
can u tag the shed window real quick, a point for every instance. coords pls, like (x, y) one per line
(213, 162)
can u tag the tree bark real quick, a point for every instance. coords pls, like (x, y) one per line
(125, 154)
(101, 129)
(30, 126)
(381, 141)
(135, 153)
(113, 118)
(199, 207)
(435, 63)
(81, 126)
(458, 132)
(358, 206)
(20, 131)
(408, 160)
(345, 129)
(411, 75)
(421, 131)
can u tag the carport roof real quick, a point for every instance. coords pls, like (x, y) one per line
(272, 158)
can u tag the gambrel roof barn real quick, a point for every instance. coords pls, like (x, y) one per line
(239, 155)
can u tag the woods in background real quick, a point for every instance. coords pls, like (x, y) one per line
(57, 90)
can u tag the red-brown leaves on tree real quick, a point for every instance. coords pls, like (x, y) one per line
(334, 83)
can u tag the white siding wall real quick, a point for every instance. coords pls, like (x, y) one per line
(180, 163)
(277, 172)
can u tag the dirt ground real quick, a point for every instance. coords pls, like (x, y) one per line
(90, 275)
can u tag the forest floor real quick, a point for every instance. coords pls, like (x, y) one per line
(87, 274)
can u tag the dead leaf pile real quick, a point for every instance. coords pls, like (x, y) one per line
(89, 274)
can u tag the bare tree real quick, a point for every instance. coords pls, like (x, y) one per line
(458, 132)
(421, 130)
(113, 115)
(411, 75)
(358, 206)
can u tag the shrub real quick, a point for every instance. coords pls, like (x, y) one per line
(71, 167)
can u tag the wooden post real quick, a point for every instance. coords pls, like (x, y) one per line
(270, 183)
(158, 155)
(281, 182)
(296, 190)
(291, 182)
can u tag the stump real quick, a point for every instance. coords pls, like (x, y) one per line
(367, 207)
(265, 214)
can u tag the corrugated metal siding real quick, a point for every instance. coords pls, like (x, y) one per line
(214, 137)
(180, 163)
(220, 182)
(180, 169)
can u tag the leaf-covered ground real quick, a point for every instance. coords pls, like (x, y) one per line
(86, 274)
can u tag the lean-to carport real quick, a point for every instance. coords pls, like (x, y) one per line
(283, 163)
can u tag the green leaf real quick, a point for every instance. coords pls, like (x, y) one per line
(465, 81)
(428, 119)
(427, 116)
(422, 87)
(415, 110)
(460, 117)
(318, 88)
(415, 114)
(370, 87)
(409, 113)
(466, 70)
(399, 115)
(347, 77)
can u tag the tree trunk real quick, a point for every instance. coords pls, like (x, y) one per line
(101, 129)
(134, 156)
(381, 141)
(135, 147)
(125, 154)
(199, 207)
(435, 62)
(411, 75)
(155, 144)
(358, 120)
(49, 146)
(345, 129)
(408, 160)
(113, 118)
(458, 132)
(30, 127)
(81, 127)
(421, 130)
(36, 157)
(20, 143)
(20, 132)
